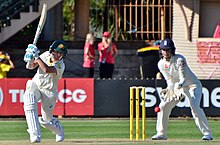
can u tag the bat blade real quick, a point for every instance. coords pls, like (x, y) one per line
(41, 23)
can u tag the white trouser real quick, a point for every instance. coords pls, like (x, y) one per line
(31, 97)
(194, 95)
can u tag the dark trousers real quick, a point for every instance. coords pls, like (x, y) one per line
(106, 70)
(88, 72)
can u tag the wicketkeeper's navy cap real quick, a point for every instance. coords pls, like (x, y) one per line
(167, 44)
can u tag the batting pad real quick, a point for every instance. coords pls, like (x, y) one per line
(54, 125)
(30, 108)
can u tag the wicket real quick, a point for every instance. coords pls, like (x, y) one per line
(135, 94)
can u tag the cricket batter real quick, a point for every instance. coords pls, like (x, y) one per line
(44, 87)
(179, 76)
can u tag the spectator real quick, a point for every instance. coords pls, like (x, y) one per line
(89, 56)
(5, 64)
(107, 54)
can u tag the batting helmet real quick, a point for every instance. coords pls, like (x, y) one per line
(167, 44)
(59, 46)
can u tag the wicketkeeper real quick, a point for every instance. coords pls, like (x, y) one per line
(44, 87)
(181, 81)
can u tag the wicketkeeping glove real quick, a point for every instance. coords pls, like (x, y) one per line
(163, 92)
(178, 85)
(171, 95)
(179, 93)
(167, 95)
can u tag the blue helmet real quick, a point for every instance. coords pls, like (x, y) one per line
(167, 44)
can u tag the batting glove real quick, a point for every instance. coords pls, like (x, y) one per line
(28, 57)
(31, 48)
(35, 54)
(34, 50)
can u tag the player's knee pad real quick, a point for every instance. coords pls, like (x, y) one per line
(54, 125)
(30, 102)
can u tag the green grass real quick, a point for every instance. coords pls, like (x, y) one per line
(107, 130)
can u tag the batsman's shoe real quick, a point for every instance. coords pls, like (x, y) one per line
(206, 137)
(59, 137)
(35, 139)
(159, 137)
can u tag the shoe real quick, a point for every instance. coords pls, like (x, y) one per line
(159, 137)
(35, 139)
(59, 137)
(206, 137)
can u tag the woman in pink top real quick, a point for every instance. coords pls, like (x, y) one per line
(89, 56)
(107, 53)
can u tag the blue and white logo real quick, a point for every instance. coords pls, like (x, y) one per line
(1, 96)
(165, 43)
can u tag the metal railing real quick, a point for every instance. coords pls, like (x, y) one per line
(140, 19)
(10, 9)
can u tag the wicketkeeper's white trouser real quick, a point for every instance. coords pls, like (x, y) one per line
(194, 94)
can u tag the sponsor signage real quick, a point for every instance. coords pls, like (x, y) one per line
(112, 97)
(80, 97)
(75, 97)
(210, 98)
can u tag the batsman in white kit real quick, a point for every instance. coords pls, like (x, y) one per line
(181, 82)
(44, 87)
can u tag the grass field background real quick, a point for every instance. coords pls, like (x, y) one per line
(108, 131)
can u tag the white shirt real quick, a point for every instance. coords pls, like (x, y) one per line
(49, 81)
(177, 71)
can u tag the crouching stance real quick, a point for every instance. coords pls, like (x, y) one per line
(43, 87)
(180, 80)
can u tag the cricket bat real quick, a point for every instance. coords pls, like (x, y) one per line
(41, 23)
